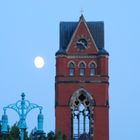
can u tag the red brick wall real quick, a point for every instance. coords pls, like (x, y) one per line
(97, 85)
(98, 90)
(63, 121)
(101, 124)
(65, 91)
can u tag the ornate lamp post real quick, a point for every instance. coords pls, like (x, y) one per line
(22, 107)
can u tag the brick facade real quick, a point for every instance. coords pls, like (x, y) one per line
(96, 85)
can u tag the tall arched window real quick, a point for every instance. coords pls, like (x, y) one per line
(82, 115)
(71, 69)
(92, 69)
(82, 69)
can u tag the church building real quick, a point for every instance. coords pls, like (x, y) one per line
(82, 81)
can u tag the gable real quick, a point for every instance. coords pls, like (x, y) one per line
(82, 40)
(67, 30)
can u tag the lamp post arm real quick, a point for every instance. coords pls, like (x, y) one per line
(31, 107)
(22, 107)
(12, 106)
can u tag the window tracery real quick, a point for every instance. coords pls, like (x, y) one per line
(82, 105)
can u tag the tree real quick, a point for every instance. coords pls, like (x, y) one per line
(37, 135)
(14, 133)
(0, 127)
(58, 136)
(51, 136)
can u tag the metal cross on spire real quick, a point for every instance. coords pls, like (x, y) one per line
(82, 11)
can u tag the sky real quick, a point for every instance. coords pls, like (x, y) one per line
(29, 28)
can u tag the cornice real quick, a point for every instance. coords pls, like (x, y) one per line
(81, 56)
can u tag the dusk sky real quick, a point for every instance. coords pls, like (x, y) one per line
(30, 28)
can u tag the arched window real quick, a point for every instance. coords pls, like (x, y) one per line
(81, 119)
(82, 115)
(82, 69)
(71, 69)
(92, 69)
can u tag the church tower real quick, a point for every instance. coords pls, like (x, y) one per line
(81, 82)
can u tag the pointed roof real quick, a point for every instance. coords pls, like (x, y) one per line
(67, 30)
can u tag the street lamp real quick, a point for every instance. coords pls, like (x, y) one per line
(22, 107)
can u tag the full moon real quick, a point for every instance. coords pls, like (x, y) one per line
(39, 62)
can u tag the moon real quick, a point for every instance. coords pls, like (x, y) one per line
(39, 62)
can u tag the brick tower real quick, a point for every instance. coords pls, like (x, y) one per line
(81, 84)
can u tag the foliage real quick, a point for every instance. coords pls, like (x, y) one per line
(14, 134)
(51, 136)
(0, 128)
(58, 136)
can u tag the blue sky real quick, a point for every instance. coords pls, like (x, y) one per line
(31, 27)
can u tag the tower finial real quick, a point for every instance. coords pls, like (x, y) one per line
(82, 11)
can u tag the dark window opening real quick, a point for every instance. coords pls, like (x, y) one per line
(82, 69)
(71, 69)
(92, 69)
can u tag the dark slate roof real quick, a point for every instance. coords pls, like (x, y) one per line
(67, 29)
